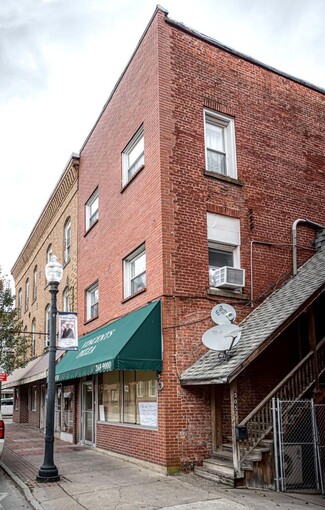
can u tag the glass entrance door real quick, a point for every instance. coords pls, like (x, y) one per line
(87, 413)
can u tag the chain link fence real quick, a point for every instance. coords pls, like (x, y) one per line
(299, 440)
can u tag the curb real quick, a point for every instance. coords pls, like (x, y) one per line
(25, 489)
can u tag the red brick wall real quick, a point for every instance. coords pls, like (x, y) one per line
(129, 218)
(166, 86)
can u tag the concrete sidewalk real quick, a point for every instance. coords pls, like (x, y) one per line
(96, 480)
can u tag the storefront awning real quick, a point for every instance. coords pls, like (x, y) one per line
(35, 370)
(130, 343)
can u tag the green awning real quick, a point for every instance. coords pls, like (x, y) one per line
(130, 343)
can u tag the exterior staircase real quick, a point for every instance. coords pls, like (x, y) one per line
(220, 467)
(254, 455)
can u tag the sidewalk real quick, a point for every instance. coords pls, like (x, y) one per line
(91, 479)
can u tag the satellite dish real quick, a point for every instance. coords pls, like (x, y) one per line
(223, 314)
(222, 337)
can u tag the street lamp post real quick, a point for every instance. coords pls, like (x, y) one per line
(48, 472)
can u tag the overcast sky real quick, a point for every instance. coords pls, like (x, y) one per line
(59, 60)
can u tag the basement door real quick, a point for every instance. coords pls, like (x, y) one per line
(87, 413)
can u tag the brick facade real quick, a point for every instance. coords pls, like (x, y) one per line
(173, 76)
(49, 230)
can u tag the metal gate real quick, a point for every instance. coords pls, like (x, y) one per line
(299, 445)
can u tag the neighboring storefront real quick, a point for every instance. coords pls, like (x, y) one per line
(115, 373)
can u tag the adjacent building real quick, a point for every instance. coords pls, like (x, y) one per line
(55, 233)
(201, 183)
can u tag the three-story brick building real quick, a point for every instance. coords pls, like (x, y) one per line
(191, 183)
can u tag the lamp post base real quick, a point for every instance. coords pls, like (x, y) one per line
(48, 474)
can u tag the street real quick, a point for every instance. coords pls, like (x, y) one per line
(10, 496)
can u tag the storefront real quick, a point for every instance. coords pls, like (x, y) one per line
(115, 374)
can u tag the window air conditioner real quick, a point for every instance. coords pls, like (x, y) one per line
(227, 277)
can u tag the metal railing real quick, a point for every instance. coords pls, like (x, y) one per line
(259, 422)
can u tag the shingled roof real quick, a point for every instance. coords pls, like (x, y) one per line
(267, 320)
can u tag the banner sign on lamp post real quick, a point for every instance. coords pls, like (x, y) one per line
(68, 331)
(3, 377)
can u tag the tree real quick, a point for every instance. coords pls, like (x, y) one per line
(14, 344)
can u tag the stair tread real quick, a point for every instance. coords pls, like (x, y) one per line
(225, 480)
(211, 464)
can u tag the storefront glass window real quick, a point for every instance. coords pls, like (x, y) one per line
(68, 399)
(109, 397)
(34, 398)
(128, 397)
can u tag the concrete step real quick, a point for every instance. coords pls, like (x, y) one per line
(219, 466)
(215, 476)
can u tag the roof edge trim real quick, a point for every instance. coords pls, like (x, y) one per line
(252, 60)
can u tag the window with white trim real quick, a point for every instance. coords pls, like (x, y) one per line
(33, 337)
(92, 210)
(135, 272)
(92, 300)
(220, 148)
(47, 326)
(223, 243)
(20, 303)
(133, 157)
(27, 294)
(49, 253)
(67, 240)
(66, 300)
(35, 283)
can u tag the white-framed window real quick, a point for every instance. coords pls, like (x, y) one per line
(47, 326)
(92, 210)
(25, 342)
(20, 303)
(220, 148)
(66, 300)
(33, 337)
(92, 300)
(133, 156)
(67, 240)
(49, 253)
(27, 294)
(135, 272)
(35, 283)
(223, 243)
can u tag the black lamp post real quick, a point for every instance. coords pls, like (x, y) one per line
(48, 471)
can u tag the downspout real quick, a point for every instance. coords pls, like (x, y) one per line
(308, 223)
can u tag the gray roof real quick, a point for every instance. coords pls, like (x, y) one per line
(264, 321)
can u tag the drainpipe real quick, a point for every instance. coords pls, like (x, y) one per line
(308, 223)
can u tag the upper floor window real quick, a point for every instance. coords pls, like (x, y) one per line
(25, 343)
(47, 326)
(135, 271)
(92, 210)
(66, 300)
(49, 253)
(35, 283)
(33, 337)
(92, 299)
(27, 294)
(67, 240)
(220, 151)
(20, 303)
(133, 156)
(224, 249)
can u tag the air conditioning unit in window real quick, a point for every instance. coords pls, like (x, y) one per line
(227, 277)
